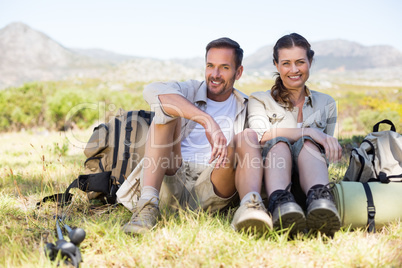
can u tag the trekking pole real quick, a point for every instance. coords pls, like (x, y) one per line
(76, 235)
(66, 249)
(62, 244)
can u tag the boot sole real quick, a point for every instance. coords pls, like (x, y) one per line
(323, 216)
(289, 216)
(256, 222)
(253, 226)
(135, 229)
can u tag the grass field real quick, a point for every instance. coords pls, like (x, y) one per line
(37, 163)
(34, 165)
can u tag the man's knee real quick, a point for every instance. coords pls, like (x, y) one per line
(245, 140)
(167, 128)
(165, 134)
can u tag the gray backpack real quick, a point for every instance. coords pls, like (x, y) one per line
(379, 157)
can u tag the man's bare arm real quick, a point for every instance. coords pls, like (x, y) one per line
(177, 106)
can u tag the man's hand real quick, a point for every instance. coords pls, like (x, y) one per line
(176, 105)
(218, 143)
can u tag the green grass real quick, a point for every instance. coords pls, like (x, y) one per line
(31, 168)
(35, 163)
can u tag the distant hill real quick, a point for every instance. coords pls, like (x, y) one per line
(333, 55)
(104, 55)
(29, 55)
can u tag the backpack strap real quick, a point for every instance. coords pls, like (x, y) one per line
(98, 182)
(362, 163)
(370, 208)
(148, 116)
(99, 126)
(127, 142)
(116, 141)
(386, 121)
(130, 127)
(372, 151)
(98, 158)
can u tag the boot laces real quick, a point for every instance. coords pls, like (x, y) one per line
(281, 197)
(145, 211)
(255, 203)
(324, 192)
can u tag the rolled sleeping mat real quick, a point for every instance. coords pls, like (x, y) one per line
(370, 205)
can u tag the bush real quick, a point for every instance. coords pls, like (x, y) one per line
(368, 118)
(81, 107)
(68, 106)
(129, 101)
(348, 125)
(21, 107)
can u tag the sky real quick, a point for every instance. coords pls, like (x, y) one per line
(168, 29)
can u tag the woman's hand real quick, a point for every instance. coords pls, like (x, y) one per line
(333, 149)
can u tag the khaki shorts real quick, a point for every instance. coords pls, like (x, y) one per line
(191, 187)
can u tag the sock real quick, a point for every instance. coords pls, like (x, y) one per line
(150, 193)
(247, 197)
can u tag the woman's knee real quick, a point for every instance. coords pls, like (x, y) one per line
(279, 151)
(280, 147)
(311, 152)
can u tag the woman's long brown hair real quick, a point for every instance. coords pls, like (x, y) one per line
(278, 91)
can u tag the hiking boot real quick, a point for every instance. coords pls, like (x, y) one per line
(286, 213)
(322, 214)
(144, 217)
(252, 216)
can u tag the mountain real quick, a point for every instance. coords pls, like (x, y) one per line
(333, 55)
(260, 62)
(348, 55)
(104, 55)
(29, 55)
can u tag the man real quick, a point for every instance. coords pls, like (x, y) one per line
(194, 144)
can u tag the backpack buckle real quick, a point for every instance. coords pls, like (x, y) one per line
(371, 212)
(382, 176)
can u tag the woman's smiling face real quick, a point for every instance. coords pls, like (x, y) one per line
(293, 67)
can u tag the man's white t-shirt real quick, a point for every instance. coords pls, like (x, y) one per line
(195, 147)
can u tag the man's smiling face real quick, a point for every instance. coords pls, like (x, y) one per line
(221, 73)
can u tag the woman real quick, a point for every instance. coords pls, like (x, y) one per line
(295, 127)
